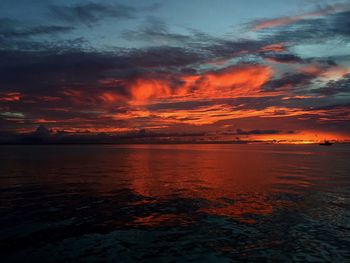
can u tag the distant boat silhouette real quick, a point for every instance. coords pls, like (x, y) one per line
(326, 143)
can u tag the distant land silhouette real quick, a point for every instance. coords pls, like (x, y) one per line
(43, 135)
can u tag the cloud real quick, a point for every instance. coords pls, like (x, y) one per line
(10, 28)
(283, 58)
(224, 48)
(10, 96)
(164, 56)
(184, 82)
(335, 87)
(289, 81)
(341, 23)
(312, 31)
(156, 31)
(287, 20)
(333, 114)
(229, 82)
(278, 47)
(256, 132)
(137, 89)
(92, 12)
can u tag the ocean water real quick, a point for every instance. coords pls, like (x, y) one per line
(175, 203)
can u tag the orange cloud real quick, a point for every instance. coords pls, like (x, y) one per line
(45, 121)
(145, 89)
(278, 22)
(301, 97)
(10, 96)
(234, 81)
(206, 115)
(211, 114)
(228, 83)
(279, 47)
(110, 97)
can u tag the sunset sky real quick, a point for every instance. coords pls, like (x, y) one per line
(250, 69)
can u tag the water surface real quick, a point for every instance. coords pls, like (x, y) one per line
(175, 203)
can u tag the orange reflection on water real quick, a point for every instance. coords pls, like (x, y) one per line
(226, 182)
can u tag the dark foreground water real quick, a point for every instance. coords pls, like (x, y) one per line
(175, 203)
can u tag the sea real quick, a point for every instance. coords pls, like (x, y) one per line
(175, 203)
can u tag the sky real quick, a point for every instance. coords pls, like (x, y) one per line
(225, 69)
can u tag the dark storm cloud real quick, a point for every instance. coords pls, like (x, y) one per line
(35, 31)
(283, 58)
(182, 105)
(31, 70)
(256, 132)
(222, 48)
(335, 87)
(289, 81)
(331, 114)
(26, 71)
(332, 26)
(335, 115)
(164, 56)
(255, 103)
(10, 28)
(320, 11)
(155, 30)
(92, 12)
(338, 24)
(241, 132)
(322, 62)
(333, 107)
